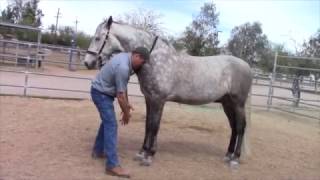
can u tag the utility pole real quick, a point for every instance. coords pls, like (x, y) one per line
(56, 28)
(76, 24)
(73, 47)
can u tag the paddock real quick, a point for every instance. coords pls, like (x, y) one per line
(52, 139)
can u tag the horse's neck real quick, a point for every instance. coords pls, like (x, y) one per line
(131, 37)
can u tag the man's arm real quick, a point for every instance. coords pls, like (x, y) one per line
(121, 81)
(124, 105)
(130, 106)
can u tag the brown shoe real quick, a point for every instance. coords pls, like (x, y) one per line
(118, 171)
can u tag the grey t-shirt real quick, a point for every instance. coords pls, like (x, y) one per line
(114, 75)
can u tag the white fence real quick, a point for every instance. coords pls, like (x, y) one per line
(31, 84)
(36, 55)
(70, 86)
(280, 95)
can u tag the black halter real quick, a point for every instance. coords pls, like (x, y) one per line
(105, 41)
(100, 50)
(153, 44)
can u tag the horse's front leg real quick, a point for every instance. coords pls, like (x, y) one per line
(141, 154)
(149, 148)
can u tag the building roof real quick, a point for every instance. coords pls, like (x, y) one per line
(19, 26)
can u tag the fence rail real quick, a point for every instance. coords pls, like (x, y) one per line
(48, 46)
(26, 86)
(300, 68)
(39, 53)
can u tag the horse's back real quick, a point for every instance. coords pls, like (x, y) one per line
(206, 79)
(218, 59)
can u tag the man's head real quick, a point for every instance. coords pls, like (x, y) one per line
(139, 56)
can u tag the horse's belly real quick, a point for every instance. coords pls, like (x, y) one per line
(190, 101)
(199, 95)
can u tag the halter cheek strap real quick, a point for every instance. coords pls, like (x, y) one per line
(153, 44)
(104, 43)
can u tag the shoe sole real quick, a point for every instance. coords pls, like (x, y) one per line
(117, 175)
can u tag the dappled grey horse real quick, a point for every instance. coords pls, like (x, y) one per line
(178, 77)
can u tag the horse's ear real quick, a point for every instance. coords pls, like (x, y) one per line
(109, 22)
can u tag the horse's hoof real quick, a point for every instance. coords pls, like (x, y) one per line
(227, 159)
(139, 156)
(234, 164)
(146, 161)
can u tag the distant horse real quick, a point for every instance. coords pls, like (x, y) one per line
(178, 77)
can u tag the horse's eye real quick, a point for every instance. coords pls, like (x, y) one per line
(97, 38)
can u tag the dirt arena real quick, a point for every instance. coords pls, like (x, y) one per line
(52, 139)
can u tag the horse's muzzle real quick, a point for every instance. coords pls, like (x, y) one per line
(90, 66)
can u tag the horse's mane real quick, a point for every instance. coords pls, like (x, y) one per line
(141, 29)
(150, 34)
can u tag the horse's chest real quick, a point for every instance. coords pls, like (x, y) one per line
(155, 83)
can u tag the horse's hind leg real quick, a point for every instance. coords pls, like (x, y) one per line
(240, 130)
(236, 116)
(229, 110)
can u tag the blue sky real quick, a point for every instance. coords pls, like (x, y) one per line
(288, 22)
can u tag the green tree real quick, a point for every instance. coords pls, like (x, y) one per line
(7, 15)
(83, 40)
(22, 12)
(64, 37)
(12, 13)
(311, 48)
(31, 15)
(248, 42)
(201, 37)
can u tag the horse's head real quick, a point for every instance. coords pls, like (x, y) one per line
(104, 43)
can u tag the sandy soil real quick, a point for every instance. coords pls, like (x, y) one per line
(52, 140)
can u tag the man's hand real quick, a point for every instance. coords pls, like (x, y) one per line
(125, 107)
(131, 107)
(125, 118)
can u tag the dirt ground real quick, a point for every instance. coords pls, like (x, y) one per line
(52, 139)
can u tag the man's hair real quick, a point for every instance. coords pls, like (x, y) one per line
(143, 52)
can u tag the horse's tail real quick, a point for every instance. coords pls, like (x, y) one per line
(246, 142)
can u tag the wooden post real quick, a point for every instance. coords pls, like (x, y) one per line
(17, 50)
(38, 56)
(25, 83)
(272, 79)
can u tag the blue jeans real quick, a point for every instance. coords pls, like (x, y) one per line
(106, 140)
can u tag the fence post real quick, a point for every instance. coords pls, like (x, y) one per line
(17, 50)
(3, 49)
(72, 48)
(25, 83)
(272, 78)
(38, 50)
